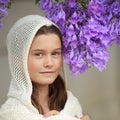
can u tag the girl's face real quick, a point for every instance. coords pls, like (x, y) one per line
(45, 59)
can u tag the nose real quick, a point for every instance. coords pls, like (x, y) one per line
(48, 61)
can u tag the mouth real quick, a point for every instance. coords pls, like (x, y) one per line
(47, 73)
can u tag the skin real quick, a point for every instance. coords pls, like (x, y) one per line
(45, 60)
(44, 65)
(54, 112)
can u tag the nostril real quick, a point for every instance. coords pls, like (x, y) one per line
(48, 62)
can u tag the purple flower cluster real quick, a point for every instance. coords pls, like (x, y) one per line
(3, 9)
(87, 33)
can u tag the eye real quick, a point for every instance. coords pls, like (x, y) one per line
(38, 54)
(56, 53)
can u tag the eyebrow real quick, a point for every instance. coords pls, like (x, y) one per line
(45, 50)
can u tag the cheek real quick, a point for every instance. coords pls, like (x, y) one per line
(33, 65)
(59, 64)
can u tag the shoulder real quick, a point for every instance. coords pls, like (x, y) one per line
(16, 111)
(72, 106)
(71, 97)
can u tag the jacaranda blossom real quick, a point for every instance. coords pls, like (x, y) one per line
(3, 10)
(87, 32)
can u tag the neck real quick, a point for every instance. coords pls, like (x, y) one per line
(41, 92)
(40, 96)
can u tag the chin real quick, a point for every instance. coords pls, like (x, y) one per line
(49, 80)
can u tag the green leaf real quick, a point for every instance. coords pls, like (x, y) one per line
(37, 2)
(9, 5)
(83, 3)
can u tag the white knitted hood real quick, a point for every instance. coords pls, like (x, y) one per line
(19, 106)
(19, 40)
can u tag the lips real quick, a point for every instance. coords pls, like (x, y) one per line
(47, 73)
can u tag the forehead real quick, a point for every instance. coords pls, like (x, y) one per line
(46, 41)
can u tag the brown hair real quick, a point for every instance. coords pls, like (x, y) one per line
(57, 90)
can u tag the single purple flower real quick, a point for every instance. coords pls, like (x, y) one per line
(115, 8)
(3, 13)
(5, 2)
(71, 3)
(1, 25)
(74, 18)
(3, 9)
(46, 5)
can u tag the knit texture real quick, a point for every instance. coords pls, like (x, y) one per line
(13, 109)
(19, 39)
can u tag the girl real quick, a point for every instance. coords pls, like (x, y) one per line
(37, 91)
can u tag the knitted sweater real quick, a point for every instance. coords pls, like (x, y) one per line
(19, 106)
(13, 109)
